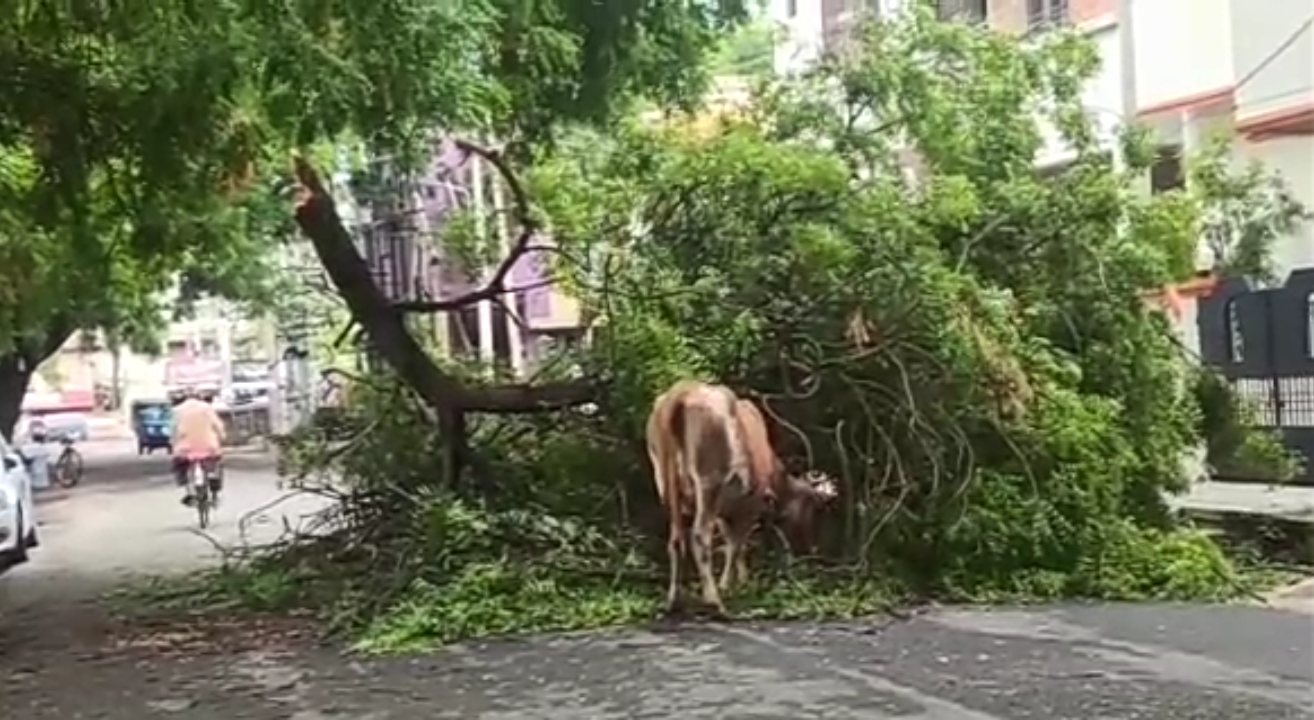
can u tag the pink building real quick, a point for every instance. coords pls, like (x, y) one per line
(401, 244)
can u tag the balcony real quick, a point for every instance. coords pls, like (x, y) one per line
(1273, 55)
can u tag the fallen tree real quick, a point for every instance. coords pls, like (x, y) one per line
(970, 353)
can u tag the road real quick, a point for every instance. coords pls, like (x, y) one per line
(62, 657)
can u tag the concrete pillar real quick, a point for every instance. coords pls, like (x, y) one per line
(484, 310)
(1194, 138)
(514, 323)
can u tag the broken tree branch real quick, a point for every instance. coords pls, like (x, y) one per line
(466, 299)
(317, 216)
(529, 227)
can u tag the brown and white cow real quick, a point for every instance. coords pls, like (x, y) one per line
(713, 463)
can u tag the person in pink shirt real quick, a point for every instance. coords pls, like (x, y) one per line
(198, 435)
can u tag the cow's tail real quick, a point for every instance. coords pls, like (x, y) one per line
(664, 449)
(672, 459)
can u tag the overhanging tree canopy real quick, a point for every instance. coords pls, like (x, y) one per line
(134, 139)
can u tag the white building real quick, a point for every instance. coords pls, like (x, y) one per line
(1208, 66)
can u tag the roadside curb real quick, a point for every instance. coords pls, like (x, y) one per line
(1297, 597)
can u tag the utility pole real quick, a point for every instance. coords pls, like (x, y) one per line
(1127, 59)
(1128, 106)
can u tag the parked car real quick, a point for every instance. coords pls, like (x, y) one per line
(18, 532)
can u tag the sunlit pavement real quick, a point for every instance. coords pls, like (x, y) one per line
(126, 518)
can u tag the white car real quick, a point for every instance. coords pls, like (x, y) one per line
(18, 532)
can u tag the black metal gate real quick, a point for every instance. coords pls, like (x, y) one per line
(1262, 340)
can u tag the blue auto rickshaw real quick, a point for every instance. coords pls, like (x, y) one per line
(152, 421)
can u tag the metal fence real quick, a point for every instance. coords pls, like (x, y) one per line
(1262, 340)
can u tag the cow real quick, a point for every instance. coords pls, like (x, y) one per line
(712, 460)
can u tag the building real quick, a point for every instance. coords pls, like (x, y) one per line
(400, 220)
(196, 350)
(1234, 70)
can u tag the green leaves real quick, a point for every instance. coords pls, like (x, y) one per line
(1245, 212)
(969, 348)
(140, 144)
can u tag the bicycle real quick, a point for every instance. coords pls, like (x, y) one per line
(68, 467)
(202, 500)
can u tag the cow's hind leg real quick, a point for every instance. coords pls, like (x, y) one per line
(675, 540)
(704, 536)
(675, 549)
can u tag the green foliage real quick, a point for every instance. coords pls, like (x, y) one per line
(548, 547)
(748, 52)
(139, 147)
(1233, 447)
(1246, 213)
(970, 354)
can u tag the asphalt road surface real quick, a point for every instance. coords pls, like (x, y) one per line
(62, 657)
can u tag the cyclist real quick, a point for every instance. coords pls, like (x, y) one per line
(198, 433)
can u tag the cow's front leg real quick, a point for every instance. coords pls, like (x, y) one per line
(736, 542)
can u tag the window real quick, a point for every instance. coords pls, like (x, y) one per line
(88, 341)
(1236, 346)
(1042, 14)
(209, 344)
(970, 11)
(1167, 172)
(1309, 326)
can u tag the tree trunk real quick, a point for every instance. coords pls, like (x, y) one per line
(455, 433)
(15, 374)
(116, 376)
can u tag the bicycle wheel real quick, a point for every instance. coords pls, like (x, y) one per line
(201, 493)
(203, 508)
(68, 468)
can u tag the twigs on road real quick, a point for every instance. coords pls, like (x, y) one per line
(318, 523)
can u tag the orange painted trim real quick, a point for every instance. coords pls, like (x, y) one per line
(1298, 120)
(1220, 97)
(1172, 297)
(1198, 287)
